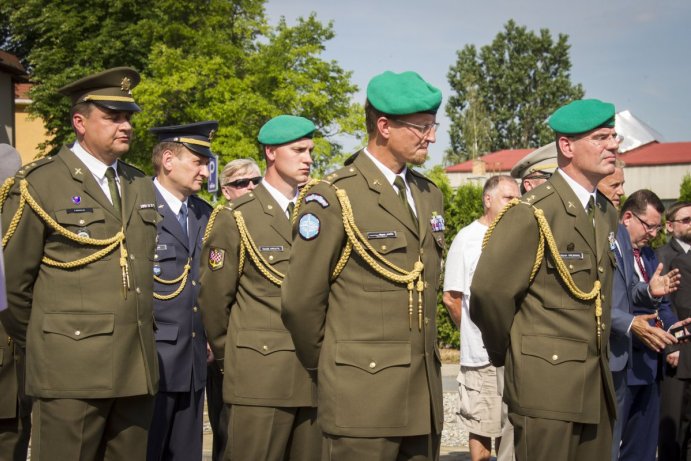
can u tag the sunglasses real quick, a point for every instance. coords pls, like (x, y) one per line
(244, 182)
(686, 220)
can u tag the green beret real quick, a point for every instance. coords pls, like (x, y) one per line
(581, 116)
(401, 94)
(284, 129)
(111, 89)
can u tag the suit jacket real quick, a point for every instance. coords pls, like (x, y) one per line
(628, 289)
(547, 337)
(681, 303)
(645, 362)
(242, 310)
(668, 252)
(180, 337)
(378, 372)
(83, 337)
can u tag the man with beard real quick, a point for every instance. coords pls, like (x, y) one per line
(360, 294)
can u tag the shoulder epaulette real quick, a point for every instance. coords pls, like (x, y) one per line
(243, 199)
(537, 194)
(25, 170)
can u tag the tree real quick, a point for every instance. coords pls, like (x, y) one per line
(218, 61)
(512, 86)
(685, 189)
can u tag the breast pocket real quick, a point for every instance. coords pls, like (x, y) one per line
(276, 256)
(579, 266)
(389, 244)
(85, 222)
(166, 268)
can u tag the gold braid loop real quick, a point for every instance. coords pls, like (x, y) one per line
(109, 244)
(5, 190)
(182, 279)
(545, 234)
(362, 247)
(301, 196)
(248, 246)
(17, 215)
(210, 223)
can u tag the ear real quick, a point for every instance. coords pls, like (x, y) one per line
(384, 127)
(79, 123)
(487, 200)
(566, 146)
(167, 157)
(626, 218)
(270, 153)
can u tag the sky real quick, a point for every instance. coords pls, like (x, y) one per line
(633, 53)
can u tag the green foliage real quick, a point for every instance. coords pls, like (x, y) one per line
(685, 189)
(461, 207)
(504, 92)
(217, 61)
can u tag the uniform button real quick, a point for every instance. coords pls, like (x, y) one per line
(271, 257)
(195, 309)
(422, 251)
(603, 297)
(139, 322)
(77, 333)
(265, 347)
(555, 357)
(155, 256)
(426, 284)
(194, 283)
(132, 257)
(81, 222)
(570, 266)
(194, 334)
(600, 269)
(138, 290)
(383, 247)
(426, 321)
(270, 207)
(372, 364)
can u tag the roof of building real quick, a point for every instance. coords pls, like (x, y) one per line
(21, 90)
(10, 64)
(654, 153)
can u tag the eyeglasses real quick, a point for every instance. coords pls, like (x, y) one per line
(423, 129)
(648, 227)
(686, 220)
(244, 182)
(601, 140)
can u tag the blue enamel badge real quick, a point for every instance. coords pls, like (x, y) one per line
(309, 226)
(317, 198)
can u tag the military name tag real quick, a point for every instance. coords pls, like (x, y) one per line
(161, 247)
(571, 255)
(381, 235)
(274, 248)
(144, 206)
(79, 210)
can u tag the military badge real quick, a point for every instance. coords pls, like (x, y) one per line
(437, 222)
(157, 270)
(83, 232)
(309, 226)
(317, 198)
(126, 85)
(612, 241)
(217, 257)
(76, 199)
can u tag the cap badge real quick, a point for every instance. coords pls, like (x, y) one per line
(212, 133)
(126, 84)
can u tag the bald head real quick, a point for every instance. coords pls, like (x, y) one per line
(612, 186)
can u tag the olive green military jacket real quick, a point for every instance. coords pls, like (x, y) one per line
(241, 307)
(378, 364)
(8, 377)
(83, 337)
(546, 336)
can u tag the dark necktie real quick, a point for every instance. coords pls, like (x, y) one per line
(114, 192)
(182, 218)
(290, 208)
(403, 196)
(590, 209)
(639, 263)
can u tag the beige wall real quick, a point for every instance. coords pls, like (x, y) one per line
(6, 109)
(30, 132)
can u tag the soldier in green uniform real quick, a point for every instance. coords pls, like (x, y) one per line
(273, 398)
(360, 295)
(541, 296)
(79, 236)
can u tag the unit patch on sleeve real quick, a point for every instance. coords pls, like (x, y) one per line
(217, 257)
(317, 198)
(309, 226)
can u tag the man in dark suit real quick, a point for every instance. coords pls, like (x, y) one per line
(79, 265)
(273, 413)
(546, 315)
(675, 391)
(364, 320)
(180, 160)
(635, 340)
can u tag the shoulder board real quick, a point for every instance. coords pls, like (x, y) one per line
(243, 199)
(537, 194)
(342, 173)
(25, 170)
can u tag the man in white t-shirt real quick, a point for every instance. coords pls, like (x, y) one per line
(481, 405)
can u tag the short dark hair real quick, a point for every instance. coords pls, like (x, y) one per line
(674, 209)
(371, 116)
(638, 202)
(159, 148)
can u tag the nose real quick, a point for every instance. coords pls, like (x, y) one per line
(251, 186)
(431, 135)
(204, 171)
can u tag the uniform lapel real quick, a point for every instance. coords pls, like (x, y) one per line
(81, 174)
(193, 223)
(388, 198)
(423, 213)
(582, 222)
(170, 222)
(128, 193)
(279, 220)
(602, 229)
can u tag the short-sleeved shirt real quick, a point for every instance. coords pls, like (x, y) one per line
(460, 267)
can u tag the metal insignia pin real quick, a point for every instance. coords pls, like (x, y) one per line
(571, 205)
(77, 171)
(211, 135)
(76, 199)
(126, 84)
